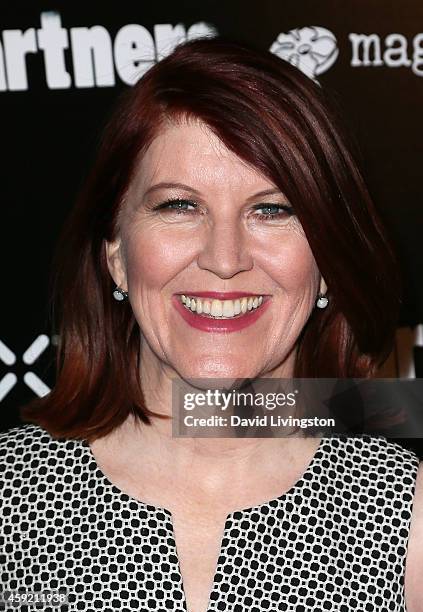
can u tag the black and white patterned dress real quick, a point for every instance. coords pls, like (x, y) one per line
(337, 540)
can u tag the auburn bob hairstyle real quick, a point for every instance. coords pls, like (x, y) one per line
(282, 123)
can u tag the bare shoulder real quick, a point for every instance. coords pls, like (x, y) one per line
(414, 562)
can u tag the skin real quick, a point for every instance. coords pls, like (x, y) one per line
(414, 561)
(223, 246)
(225, 249)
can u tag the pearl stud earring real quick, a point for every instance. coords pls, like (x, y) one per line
(322, 301)
(119, 294)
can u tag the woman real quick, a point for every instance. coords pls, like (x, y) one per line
(227, 217)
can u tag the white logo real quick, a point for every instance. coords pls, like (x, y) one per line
(94, 56)
(312, 49)
(29, 357)
(393, 51)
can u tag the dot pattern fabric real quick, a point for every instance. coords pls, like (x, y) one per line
(337, 540)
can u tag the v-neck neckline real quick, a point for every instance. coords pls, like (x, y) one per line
(147, 505)
(231, 519)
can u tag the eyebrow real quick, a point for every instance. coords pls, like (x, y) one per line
(167, 185)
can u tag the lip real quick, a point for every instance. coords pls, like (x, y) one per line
(219, 295)
(220, 325)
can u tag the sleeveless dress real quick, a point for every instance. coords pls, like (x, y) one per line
(337, 540)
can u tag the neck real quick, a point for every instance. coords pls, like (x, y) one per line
(213, 470)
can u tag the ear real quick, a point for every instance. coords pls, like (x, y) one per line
(323, 286)
(116, 263)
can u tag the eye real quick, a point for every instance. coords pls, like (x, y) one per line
(176, 204)
(274, 211)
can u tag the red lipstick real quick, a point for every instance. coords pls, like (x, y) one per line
(208, 324)
(219, 295)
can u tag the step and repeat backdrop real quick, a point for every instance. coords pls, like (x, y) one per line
(61, 69)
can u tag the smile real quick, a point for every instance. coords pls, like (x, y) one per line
(221, 309)
(209, 314)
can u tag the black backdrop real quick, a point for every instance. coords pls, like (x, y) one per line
(55, 97)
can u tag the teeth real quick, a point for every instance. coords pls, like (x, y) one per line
(225, 309)
(216, 309)
(228, 309)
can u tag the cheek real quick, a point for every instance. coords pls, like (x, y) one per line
(291, 264)
(152, 260)
(155, 256)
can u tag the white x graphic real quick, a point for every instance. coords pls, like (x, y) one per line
(29, 357)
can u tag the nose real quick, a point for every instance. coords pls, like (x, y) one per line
(225, 251)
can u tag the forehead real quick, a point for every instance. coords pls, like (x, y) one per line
(190, 152)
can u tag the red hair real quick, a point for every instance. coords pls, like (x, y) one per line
(281, 122)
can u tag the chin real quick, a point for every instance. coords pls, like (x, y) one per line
(214, 369)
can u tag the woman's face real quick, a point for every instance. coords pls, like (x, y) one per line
(221, 237)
